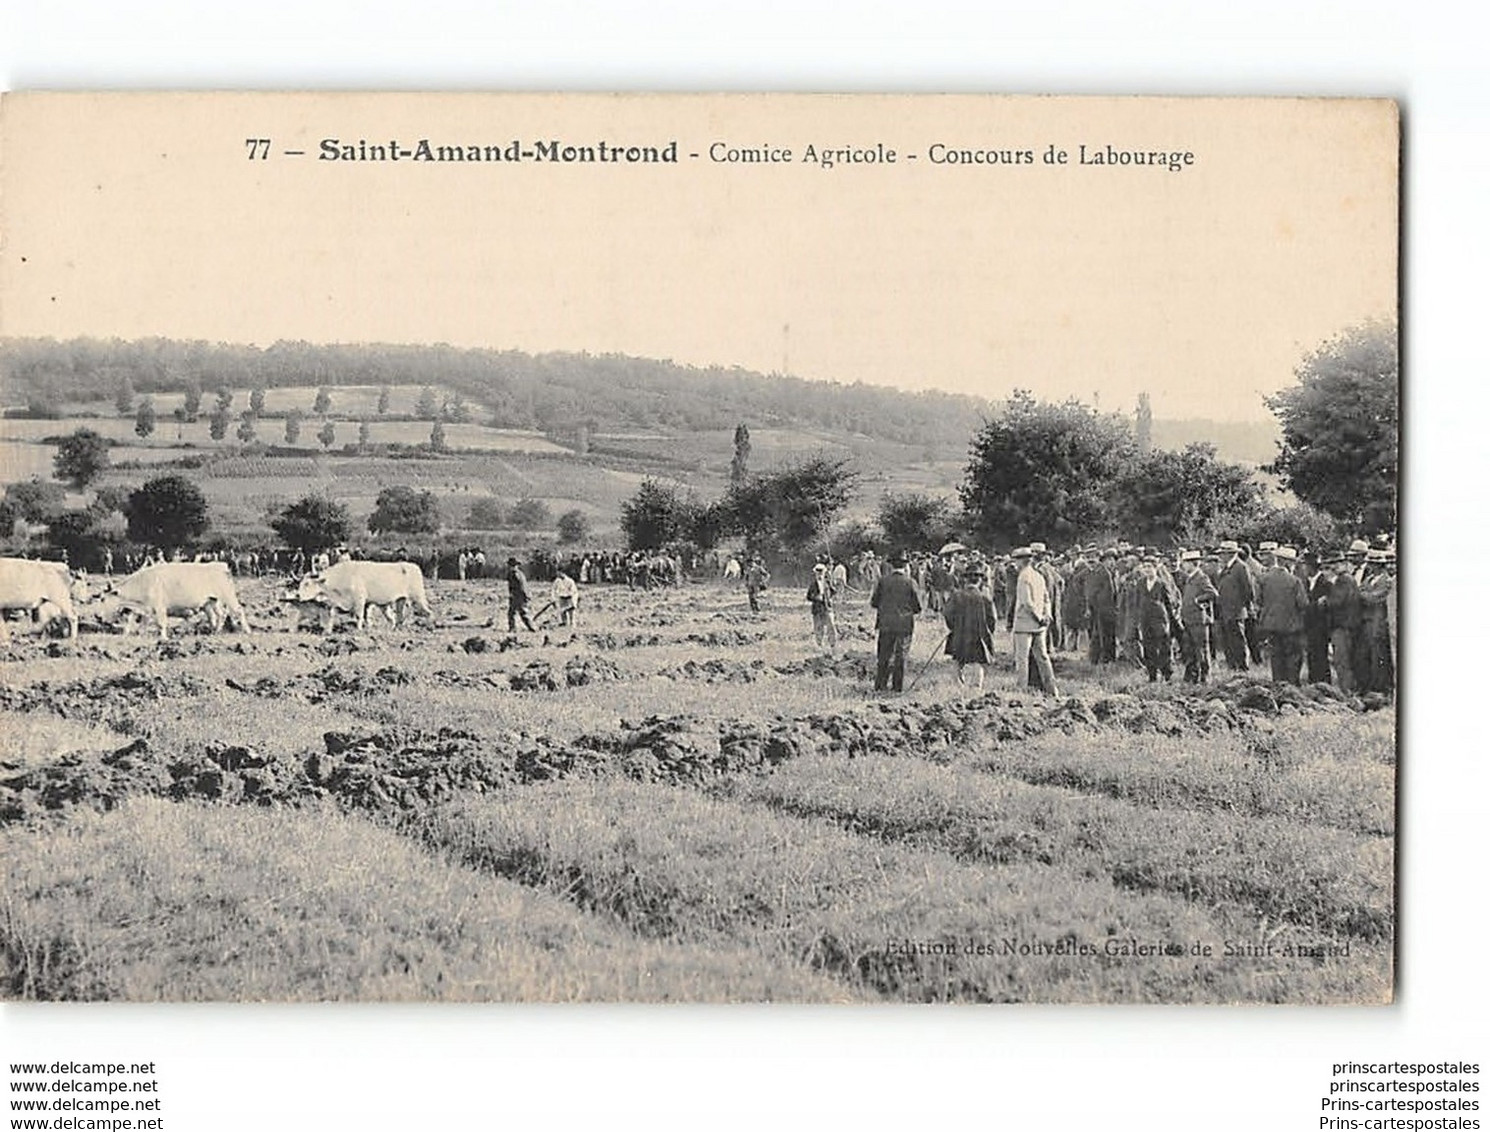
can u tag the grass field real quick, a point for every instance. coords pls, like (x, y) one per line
(689, 802)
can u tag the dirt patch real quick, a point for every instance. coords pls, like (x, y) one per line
(225, 774)
(719, 671)
(578, 671)
(111, 700)
(846, 666)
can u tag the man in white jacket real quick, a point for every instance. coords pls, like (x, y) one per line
(1032, 617)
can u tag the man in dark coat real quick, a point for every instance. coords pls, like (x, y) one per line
(1344, 605)
(1236, 595)
(1157, 618)
(1280, 615)
(1316, 620)
(1100, 587)
(896, 605)
(517, 597)
(970, 620)
(1197, 613)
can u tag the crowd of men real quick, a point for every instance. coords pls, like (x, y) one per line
(1324, 617)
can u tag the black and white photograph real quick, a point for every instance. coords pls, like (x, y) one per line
(597, 548)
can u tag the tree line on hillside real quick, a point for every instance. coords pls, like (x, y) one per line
(575, 394)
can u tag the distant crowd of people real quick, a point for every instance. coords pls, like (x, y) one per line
(1328, 617)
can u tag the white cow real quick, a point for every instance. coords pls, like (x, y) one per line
(29, 584)
(352, 586)
(183, 589)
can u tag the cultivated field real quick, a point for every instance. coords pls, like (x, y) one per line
(679, 800)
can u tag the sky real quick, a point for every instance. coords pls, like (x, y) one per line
(132, 215)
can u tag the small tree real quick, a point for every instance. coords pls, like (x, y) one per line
(145, 418)
(193, 402)
(81, 458)
(437, 436)
(322, 404)
(406, 511)
(364, 436)
(655, 516)
(256, 400)
(529, 514)
(111, 499)
(8, 518)
(739, 467)
(246, 428)
(573, 526)
(456, 410)
(327, 435)
(124, 397)
(485, 515)
(313, 524)
(427, 408)
(169, 512)
(384, 394)
(787, 514)
(217, 423)
(224, 399)
(293, 421)
(913, 521)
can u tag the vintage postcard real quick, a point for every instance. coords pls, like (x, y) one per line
(717, 548)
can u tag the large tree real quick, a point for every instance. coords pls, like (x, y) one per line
(168, 511)
(1182, 498)
(1339, 450)
(81, 458)
(406, 511)
(1044, 471)
(313, 524)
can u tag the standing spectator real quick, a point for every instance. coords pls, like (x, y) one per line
(1236, 596)
(1197, 613)
(1344, 604)
(896, 605)
(1157, 618)
(1377, 586)
(820, 597)
(1316, 620)
(1256, 568)
(1100, 588)
(757, 578)
(970, 620)
(1280, 617)
(517, 597)
(1032, 618)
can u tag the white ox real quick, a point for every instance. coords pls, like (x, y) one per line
(183, 589)
(29, 584)
(352, 586)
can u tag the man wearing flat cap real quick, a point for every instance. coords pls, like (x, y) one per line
(1101, 587)
(896, 605)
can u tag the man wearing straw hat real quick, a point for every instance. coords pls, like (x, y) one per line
(1282, 601)
(1032, 618)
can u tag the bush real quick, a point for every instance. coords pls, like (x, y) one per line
(405, 511)
(529, 514)
(485, 515)
(168, 511)
(573, 526)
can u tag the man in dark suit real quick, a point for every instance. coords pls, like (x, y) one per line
(1236, 596)
(1100, 587)
(1316, 620)
(1157, 618)
(1344, 605)
(1280, 616)
(896, 605)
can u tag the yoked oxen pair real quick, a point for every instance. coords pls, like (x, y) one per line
(31, 584)
(181, 589)
(351, 586)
